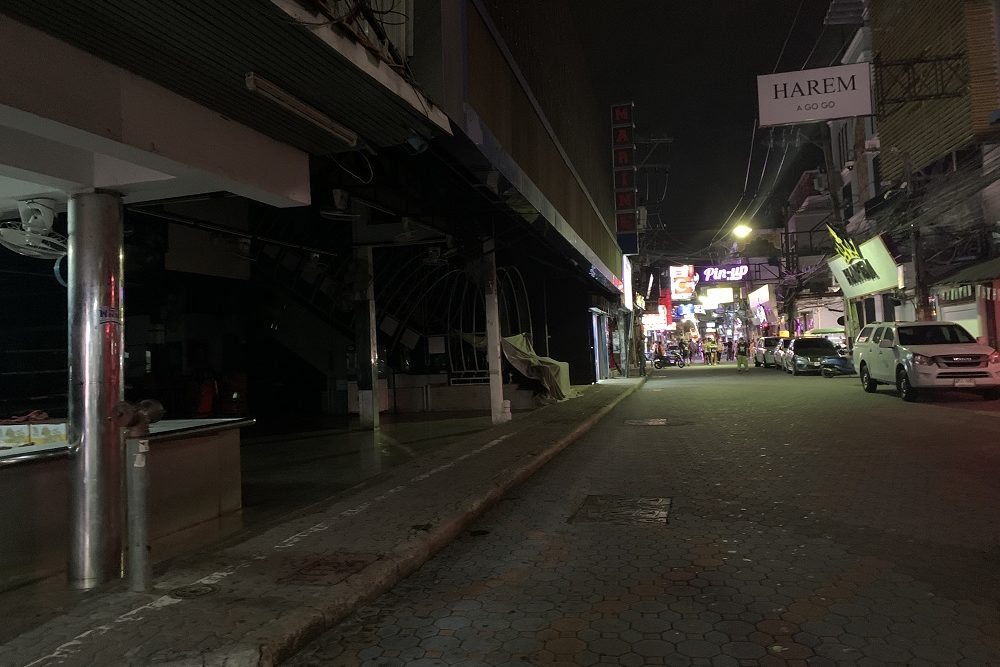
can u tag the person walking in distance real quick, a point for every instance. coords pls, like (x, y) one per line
(711, 352)
(742, 356)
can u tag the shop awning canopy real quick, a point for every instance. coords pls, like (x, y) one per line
(977, 273)
(204, 50)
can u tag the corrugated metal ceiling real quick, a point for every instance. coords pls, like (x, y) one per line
(202, 49)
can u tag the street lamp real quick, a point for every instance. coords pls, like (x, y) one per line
(741, 231)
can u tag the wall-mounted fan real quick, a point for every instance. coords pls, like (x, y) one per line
(32, 235)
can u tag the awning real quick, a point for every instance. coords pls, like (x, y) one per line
(203, 51)
(977, 273)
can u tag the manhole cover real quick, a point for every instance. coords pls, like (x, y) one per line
(193, 591)
(622, 511)
(329, 570)
(659, 421)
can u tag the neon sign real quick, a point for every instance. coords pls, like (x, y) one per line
(858, 269)
(718, 274)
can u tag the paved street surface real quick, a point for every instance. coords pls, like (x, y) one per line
(807, 523)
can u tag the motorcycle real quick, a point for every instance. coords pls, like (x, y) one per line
(838, 365)
(672, 358)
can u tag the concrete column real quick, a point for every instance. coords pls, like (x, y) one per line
(365, 338)
(493, 352)
(96, 362)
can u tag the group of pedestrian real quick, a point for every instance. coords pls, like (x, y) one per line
(710, 350)
(738, 351)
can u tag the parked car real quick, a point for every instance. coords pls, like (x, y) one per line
(923, 356)
(806, 354)
(778, 354)
(835, 334)
(763, 354)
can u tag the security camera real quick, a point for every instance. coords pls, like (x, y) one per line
(37, 215)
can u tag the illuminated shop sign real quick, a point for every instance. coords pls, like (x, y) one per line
(683, 280)
(718, 274)
(719, 295)
(864, 269)
(623, 168)
(659, 321)
(807, 96)
(686, 309)
(760, 296)
(763, 304)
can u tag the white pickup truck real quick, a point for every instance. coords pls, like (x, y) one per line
(922, 356)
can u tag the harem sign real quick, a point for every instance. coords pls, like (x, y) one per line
(812, 95)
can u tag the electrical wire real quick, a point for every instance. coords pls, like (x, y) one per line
(815, 46)
(774, 181)
(760, 181)
(791, 29)
(371, 170)
(746, 181)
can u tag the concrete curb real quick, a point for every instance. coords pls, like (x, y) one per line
(292, 632)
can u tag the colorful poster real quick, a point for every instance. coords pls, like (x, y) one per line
(683, 280)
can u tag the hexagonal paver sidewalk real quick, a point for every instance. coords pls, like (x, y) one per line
(265, 597)
(806, 542)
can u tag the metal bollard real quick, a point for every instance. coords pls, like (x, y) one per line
(136, 485)
(137, 418)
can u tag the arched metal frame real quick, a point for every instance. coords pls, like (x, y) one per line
(423, 297)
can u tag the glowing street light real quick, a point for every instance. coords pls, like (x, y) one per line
(741, 231)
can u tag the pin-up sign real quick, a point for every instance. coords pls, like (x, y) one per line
(723, 274)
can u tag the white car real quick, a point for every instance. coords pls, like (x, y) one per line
(922, 356)
(778, 355)
(763, 354)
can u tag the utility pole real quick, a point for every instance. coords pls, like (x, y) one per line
(833, 186)
(833, 183)
(921, 296)
(788, 263)
(851, 327)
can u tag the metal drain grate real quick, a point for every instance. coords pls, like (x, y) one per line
(622, 511)
(329, 570)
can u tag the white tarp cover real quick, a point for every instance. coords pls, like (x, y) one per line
(554, 375)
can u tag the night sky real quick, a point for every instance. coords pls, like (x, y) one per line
(691, 69)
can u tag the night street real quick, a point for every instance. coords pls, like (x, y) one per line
(809, 523)
(414, 333)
